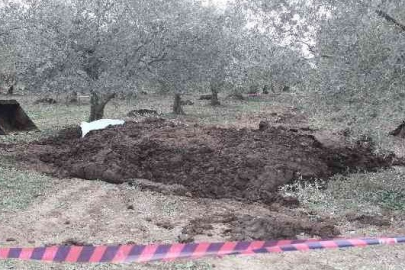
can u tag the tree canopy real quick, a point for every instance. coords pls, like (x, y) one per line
(350, 51)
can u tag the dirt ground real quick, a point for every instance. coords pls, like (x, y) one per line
(100, 213)
(225, 198)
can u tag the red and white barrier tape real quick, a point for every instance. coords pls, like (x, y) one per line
(170, 252)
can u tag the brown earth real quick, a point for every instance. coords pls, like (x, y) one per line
(208, 162)
(93, 212)
(368, 219)
(281, 225)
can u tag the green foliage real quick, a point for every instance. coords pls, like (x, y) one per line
(359, 62)
(394, 200)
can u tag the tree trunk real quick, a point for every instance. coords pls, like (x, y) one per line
(98, 104)
(73, 97)
(266, 89)
(10, 90)
(177, 108)
(214, 99)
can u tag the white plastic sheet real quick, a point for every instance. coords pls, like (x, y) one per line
(99, 124)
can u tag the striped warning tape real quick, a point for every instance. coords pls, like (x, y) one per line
(169, 252)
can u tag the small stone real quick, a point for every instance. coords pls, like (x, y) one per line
(263, 125)
(185, 238)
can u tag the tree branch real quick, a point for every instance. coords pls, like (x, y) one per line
(9, 30)
(313, 51)
(158, 58)
(390, 19)
(127, 58)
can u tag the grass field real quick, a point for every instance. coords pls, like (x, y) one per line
(32, 201)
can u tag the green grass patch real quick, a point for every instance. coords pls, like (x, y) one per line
(364, 192)
(19, 188)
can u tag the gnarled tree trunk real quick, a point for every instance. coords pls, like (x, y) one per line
(97, 105)
(265, 90)
(214, 99)
(177, 108)
(10, 90)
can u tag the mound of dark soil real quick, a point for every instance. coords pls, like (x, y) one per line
(208, 161)
(67, 134)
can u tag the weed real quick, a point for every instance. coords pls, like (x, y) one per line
(365, 192)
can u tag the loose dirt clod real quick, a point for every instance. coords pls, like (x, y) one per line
(69, 133)
(71, 242)
(248, 228)
(165, 225)
(45, 101)
(368, 219)
(142, 112)
(187, 102)
(205, 97)
(10, 239)
(208, 162)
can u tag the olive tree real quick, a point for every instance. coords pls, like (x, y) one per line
(10, 16)
(360, 61)
(97, 46)
(355, 49)
(206, 50)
